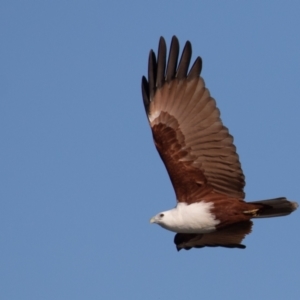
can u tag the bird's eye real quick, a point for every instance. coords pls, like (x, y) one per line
(161, 215)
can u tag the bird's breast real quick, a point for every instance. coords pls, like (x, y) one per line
(193, 218)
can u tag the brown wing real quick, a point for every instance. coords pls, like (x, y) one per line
(189, 135)
(229, 237)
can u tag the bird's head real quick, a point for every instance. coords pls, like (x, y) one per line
(166, 219)
(158, 219)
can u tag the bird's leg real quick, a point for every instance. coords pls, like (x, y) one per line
(252, 212)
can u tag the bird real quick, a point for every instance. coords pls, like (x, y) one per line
(199, 155)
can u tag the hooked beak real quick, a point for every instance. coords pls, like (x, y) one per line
(152, 220)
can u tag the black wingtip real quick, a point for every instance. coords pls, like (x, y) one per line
(184, 61)
(145, 94)
(173, 59)
(152, 67)
(159, 72)
(161, 62)
(195, 69)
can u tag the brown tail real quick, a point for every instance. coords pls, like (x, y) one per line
(275, 207)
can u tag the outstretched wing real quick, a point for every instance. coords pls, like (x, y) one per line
(192, 141)
(229, 237)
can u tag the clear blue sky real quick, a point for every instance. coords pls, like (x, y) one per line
(80, 176)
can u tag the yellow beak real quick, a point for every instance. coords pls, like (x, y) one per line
(152, 220)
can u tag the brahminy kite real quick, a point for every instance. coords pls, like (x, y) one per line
(199, 155)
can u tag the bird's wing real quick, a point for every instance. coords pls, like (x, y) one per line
(229, 237)
(192, 141)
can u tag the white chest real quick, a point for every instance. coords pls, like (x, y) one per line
(193, 218)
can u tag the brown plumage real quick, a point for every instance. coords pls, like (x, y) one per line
(229, 237)
(196, 147)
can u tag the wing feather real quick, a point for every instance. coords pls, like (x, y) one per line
(192, 141)
(229, 237)
(173, 58)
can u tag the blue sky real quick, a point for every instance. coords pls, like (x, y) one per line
(80, 174)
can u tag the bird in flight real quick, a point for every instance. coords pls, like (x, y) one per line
(199, 155)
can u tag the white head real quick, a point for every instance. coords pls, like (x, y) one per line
(192, 218)
(166, 219)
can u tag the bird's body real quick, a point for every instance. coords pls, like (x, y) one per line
(184, 218)
(199, 155)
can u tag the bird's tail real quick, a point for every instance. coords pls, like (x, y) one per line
(274, 207)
